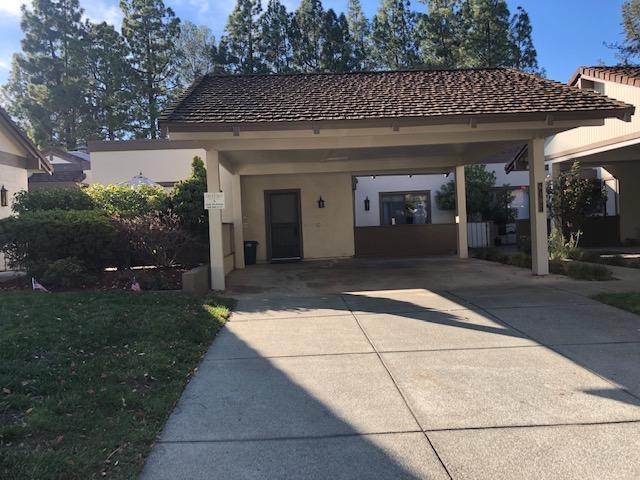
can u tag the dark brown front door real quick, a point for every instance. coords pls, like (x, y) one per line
(284, 233)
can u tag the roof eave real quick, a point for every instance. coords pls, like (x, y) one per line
(624, 112)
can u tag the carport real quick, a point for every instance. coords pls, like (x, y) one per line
(284, 148)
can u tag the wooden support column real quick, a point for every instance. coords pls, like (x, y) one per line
(538, 208)
(216, 248)
(461, 217)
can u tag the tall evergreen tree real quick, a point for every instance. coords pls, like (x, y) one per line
(47, 86)
(242, 36)
(274, 46)
(151, 31)
(630, 49)
(194, 48)
(525, 56)
(307, 35)
(109, 91)
(487, 40)
(394, 35)
(360, 33)
(441, 34)
(337, 52)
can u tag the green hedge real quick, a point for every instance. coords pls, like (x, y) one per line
(36, 239)
(52, 199)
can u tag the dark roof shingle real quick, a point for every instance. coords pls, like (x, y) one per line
(228, 100)
(626, 75)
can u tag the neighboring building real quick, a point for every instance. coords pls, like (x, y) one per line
(161, 161)
(612, 149)
(293, 143)
(19, 158)
(69, 170)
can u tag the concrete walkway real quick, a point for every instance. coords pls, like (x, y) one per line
(452, 370)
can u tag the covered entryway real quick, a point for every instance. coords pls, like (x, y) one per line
(314, 133)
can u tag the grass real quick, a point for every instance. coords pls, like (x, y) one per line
(625, 301)
(87, 380)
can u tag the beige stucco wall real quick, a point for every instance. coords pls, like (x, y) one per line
(628, 174)
(169, 165)
(14, 179)
(7, 144)
(326, 232)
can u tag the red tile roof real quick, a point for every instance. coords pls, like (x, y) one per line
(224, 101)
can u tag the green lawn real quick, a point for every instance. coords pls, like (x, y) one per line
(626, 301)
(87, 380)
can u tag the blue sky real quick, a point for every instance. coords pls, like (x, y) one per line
(567, 33)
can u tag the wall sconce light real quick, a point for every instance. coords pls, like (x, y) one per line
(320, 202)
(4, 200)
(367, 204)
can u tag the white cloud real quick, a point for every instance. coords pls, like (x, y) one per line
(11, 7)
(5, 64)
(103, 11)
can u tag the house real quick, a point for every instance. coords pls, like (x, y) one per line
(613, 149)
(69, 170)
(290, 146)
(384, 201)
(19, 158)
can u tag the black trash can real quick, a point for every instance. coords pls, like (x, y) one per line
(250, 248)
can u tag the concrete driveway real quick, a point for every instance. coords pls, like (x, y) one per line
(454, 370)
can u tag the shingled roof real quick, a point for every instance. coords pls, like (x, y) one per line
(38, 161)
(626, 75)
(222, 102)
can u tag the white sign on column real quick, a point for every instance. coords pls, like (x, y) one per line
(214, 200)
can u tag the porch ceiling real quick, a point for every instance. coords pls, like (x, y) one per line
(408, 158)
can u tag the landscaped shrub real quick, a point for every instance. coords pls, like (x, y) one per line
(124, 200)
(187, 200)
(33, 240)
(519, 260)
(160, 236)
(52, 199)
(66, 273)
(587, 271)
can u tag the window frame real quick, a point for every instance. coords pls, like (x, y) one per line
(426, 193)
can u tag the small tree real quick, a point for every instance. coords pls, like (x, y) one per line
(569, 198)
(188, 200)
(485, 202)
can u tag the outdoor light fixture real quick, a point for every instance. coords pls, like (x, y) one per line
(4, 200)
(367, 204)
(373, 177)
(320, 202)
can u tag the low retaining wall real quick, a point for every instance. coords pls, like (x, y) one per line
(406, 240)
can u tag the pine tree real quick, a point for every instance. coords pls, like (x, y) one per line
(274, 42)
(194, 49)
(241, 35)
(307, 35)
(47, 86)
(109, 91)
(630, 49)
(441, 34)
(394, 35)
(525, 56)
(150, 30)
(360, 33)
(337, 53)
(487, 41)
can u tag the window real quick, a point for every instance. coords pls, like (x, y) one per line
(4, 197)
(405, 208)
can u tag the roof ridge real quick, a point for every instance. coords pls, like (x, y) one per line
(358, 72)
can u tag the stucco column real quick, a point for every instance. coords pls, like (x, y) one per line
(216, 248)
(461, 217)
(238, 227)
(538, 208)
